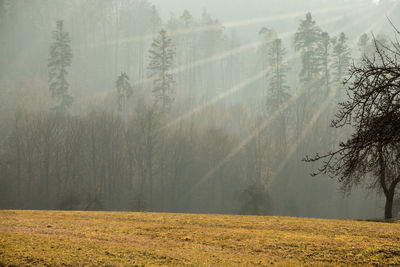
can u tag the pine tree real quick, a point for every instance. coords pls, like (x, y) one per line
(187, 19)
(124, 92)
(267, 36)
(162, 53)
(341, 59)
(278, 91)
(363, 42)
(60, 59)
(307, 42)
(324, 49)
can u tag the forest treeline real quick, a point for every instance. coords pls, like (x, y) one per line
(105, 106)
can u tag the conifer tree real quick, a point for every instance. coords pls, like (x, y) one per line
(267, 37)
(187, 19)
(161, 57)
(341, 59)
(324, 54)
(278, 92)
(307, 41)
(363, 42)
(60, 59)
(124, 92)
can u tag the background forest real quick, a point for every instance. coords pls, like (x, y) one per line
(163, 106)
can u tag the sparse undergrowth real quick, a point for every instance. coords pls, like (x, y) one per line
(54, 238)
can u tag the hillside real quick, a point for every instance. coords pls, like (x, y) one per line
(114, 238)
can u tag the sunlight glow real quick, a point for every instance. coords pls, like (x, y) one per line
(267, 122)
(239, 23)
(247, 140)
(234, 89)
(223, 95)
(315, 117)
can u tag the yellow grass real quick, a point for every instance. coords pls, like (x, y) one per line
(55, 238)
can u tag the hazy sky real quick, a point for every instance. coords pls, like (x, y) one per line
(222, 9)
(241, 10)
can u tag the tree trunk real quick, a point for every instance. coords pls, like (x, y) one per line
(389, 192)
(389, 199)
(389, 205)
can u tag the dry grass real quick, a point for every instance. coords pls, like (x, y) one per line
(55, 238)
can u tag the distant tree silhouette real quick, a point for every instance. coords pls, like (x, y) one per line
(60, 59)
(278, 91)
(124, 92)
(161, 56)
(341, 59)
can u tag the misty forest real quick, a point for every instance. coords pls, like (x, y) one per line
(286, 108)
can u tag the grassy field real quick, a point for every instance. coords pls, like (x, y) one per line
(54, 238)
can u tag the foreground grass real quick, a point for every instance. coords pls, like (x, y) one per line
(111, 238)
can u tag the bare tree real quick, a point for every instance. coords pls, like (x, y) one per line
(370, 155)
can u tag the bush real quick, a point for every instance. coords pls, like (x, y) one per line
(256, 201)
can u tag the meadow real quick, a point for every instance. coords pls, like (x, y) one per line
(64, 238)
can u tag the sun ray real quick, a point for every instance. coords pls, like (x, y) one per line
(226, 93)
(235, 51)
(293, 148)
(232, 52)
(231, 24)
(241, 49)
(223, 95)
(316, 116)
(265, 124)
(248, 138)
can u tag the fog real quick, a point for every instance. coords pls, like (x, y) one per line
(180, 106)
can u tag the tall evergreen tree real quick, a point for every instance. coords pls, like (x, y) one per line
(267, 37)
(307, 41)
(187, 19)
(324, 49)
(124, 92)
(60, 59)
(363, 42)
(161, 57)
(278, 92)
(263, 54)
(341, 59)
